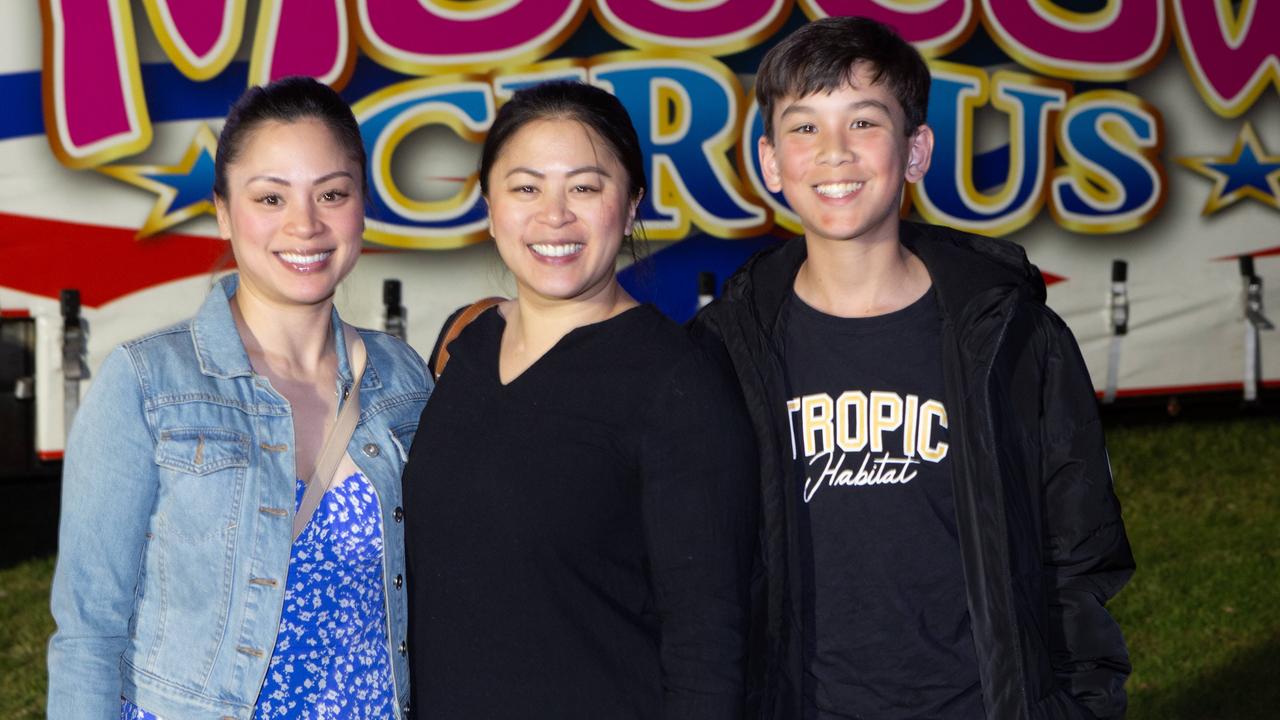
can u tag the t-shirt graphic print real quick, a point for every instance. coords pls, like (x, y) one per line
(864, 426)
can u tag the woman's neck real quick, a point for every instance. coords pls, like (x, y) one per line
(535, 325)
(284, 341)
(537, 321)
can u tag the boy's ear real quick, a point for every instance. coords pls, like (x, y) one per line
(769, 164)
(919, 153)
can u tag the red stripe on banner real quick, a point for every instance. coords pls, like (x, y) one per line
(1181, 389)
(1050, 278)
(43, 257)
(1260, 253)
(14, 313)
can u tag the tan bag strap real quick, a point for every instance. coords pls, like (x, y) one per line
(335, 444)
(460, 321)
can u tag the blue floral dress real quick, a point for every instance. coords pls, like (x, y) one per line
(331, 658)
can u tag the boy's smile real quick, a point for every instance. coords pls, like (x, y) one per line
(835, 191)
(841, 159)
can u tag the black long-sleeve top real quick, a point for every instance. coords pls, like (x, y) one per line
(579, 540)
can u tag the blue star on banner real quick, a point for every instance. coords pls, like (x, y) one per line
(1246, 172)
(183, 190)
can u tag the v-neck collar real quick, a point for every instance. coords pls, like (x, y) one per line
(494, 351)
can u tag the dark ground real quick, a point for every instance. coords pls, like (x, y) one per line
(29, 517)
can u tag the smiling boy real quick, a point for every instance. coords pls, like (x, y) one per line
(940, 532)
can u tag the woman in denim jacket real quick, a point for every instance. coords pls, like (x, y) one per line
(179, 591)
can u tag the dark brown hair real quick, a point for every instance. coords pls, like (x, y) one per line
(587, 104)
(287, 100)
(821, 56)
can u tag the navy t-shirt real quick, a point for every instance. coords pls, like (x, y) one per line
(886, 621)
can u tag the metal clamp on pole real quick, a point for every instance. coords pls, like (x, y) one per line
(706, 289)
(75, 348)
(1118, 318)
(393, 319)
(1255, 322)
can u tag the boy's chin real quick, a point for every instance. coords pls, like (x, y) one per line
(880, 232)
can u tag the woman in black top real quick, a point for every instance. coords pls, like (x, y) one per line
(580, 519)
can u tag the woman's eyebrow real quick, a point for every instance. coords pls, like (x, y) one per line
(281, 181)
(576, 171)
(333, 176)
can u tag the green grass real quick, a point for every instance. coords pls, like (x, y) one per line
(1202, 614)
(25, 627)
(1202, 508)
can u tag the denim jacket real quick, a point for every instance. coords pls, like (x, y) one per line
(177, 512)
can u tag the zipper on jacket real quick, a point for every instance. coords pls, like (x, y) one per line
(1016, 650)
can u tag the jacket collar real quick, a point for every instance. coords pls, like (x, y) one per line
(966, 267)
(221, 351)
(962, 267)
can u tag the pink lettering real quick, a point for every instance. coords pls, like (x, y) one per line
(716, 28)
(94, 107)
(934, 28)
(1231, 57)
(420, 37)
(1123, 40)
(302, 37)
(199, 38)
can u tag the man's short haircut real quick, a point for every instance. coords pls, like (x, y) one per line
(820, 57)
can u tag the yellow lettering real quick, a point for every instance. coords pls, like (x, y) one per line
(816, 411)
(851, 432)
(793, 407)
(912, 421)
(882, 422)
(928, 412)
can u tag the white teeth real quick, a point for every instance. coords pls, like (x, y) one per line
(296, 259)
(557, 249)
(838, 190)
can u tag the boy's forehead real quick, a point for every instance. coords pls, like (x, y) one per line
(861, 89)
(859, 78)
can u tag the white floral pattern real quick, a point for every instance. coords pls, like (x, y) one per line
(331, 658)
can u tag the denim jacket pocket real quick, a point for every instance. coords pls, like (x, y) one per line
(402, 435)
(202, 471)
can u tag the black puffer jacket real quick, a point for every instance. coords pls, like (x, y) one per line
(1041, 540)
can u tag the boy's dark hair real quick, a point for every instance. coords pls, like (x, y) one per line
(820, 57)
(287, 100)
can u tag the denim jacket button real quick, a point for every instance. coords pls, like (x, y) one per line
(398, 581)
(404, 648)
(371, 450)
(398, 513)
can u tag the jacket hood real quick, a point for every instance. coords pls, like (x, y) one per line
(962, 267)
